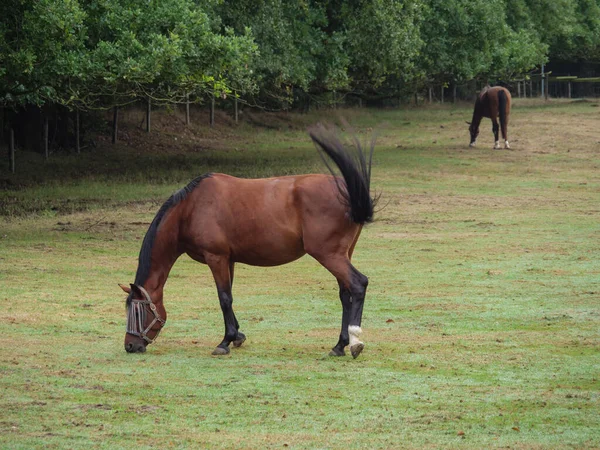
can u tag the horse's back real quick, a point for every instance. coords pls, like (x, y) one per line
(488, 101)
(256, 221)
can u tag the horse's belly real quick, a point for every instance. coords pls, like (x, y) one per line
(265, 250)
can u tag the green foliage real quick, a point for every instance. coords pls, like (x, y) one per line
(41, 49)
(466, 39)
(383, 39)
(99, 53)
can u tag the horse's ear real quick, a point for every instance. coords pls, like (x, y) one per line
(137, 291)
(126, 289)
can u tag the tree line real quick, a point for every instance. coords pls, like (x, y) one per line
(82, 55)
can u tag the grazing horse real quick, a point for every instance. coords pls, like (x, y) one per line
(220, 220)
(492, 102)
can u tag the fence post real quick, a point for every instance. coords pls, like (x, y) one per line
(542, 80)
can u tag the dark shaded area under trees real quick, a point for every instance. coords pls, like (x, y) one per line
(63, 60)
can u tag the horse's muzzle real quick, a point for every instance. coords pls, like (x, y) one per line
(135, 347)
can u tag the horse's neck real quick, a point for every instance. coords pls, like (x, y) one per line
(164, 254)
(477, 116)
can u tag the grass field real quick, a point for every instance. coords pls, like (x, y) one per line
(481, 323)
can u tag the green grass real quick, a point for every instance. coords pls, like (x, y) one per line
(481, 323)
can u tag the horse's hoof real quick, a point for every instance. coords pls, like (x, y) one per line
(336, 352)
(356, 349)
(220, 351)
(241, 338)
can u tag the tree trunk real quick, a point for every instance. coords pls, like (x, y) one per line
(235, 107)
(1, 127)
(46, 152)
(115, 124)
(187, 109)
(148, 114)
(11, 150)
(531, 88)
(212, 111)
(77, 139)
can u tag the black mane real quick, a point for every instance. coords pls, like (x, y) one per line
(146, 251)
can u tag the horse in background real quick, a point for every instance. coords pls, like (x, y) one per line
(494, 103)
(220, 220)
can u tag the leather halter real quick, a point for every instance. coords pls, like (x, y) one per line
(136, 317)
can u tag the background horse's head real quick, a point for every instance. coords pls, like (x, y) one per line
(145, 319)
(474, 131)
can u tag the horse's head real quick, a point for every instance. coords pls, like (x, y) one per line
(145, 319)
(474, 131)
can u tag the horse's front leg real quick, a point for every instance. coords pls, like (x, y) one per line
(220, 268)
(241, 337)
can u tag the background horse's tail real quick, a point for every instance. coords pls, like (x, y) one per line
(355, 168)
(502, 100)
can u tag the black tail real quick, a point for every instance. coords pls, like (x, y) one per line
(355, 169)
(502, 110)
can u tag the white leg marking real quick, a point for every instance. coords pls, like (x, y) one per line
(497, 144)
(506, 144)
(354, 331)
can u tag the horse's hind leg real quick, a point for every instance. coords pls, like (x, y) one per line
(503, 128)
(344, 340)
(221, 269)
(354, 283)
(358, 288)
(346, 300)
(495, 129)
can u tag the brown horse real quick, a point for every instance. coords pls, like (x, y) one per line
(492, 102)
(220, 220)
